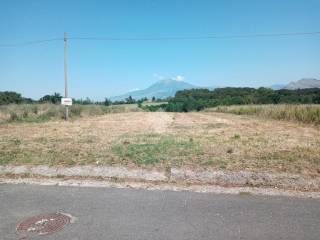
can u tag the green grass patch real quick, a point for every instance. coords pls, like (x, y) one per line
(153, 149)
(236, 136)
(216, 125)
(148, 103)
(6, 159)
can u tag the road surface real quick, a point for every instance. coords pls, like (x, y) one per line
(110, 213)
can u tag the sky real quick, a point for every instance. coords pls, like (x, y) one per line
(98, 69)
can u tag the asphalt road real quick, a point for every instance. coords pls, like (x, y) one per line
(110, 213)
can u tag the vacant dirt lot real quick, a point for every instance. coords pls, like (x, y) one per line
(192, 140)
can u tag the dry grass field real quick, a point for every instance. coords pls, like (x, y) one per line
(203, 140)
(305, 113)
(46, 111)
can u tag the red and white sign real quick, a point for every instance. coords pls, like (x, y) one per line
(66, 101)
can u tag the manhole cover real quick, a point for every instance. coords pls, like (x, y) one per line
(44, 224)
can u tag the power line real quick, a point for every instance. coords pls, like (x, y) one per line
(168, 38)
(195, 37)
(31, 42)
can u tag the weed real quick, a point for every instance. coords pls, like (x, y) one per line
(229, 150)
(14, 117)
(41, 140)
(4, 159)
(16, 141)
(34, 109)
(71, 163)
(75, 110)
(26, 175)
(245, 194)
(25, 114)
(215, 125)
(207, 163)
(236, 136)
(317, 162)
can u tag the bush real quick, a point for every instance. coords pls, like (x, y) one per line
(14, 116)
(55, 98)
(13, 97)
(75, 110)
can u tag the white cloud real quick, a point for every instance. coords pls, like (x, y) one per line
(178, 78)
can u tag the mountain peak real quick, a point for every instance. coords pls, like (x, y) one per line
(303, 84)
(161, 89)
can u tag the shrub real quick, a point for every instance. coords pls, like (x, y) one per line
(76, 110)
(14, 116)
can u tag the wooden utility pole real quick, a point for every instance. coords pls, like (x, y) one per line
(65, 74)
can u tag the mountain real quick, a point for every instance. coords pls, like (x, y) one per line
(161, 89)
(277, 86)
(303, 83)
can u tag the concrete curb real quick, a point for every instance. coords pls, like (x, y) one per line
(244, 191)
(86, 171)
(246, 178)
(174, 175)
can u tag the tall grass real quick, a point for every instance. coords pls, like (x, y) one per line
(299, 113)
(46, 111)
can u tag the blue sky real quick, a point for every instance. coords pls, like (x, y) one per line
(104, 68)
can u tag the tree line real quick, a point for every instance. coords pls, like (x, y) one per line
(194, 99)
(8, 97)
(198, 99)
(13, 97)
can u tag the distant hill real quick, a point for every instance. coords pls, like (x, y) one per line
(303, 84)
(277, 86)
(168, 88)
(161, 89)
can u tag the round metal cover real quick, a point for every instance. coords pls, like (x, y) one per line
(44, 224)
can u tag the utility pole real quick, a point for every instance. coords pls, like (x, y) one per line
(65, 74)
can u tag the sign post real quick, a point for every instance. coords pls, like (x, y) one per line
(66, 102)
(65, 79)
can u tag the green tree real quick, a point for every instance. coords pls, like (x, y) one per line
(55, 98)
(130, 100)
(107, 102)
